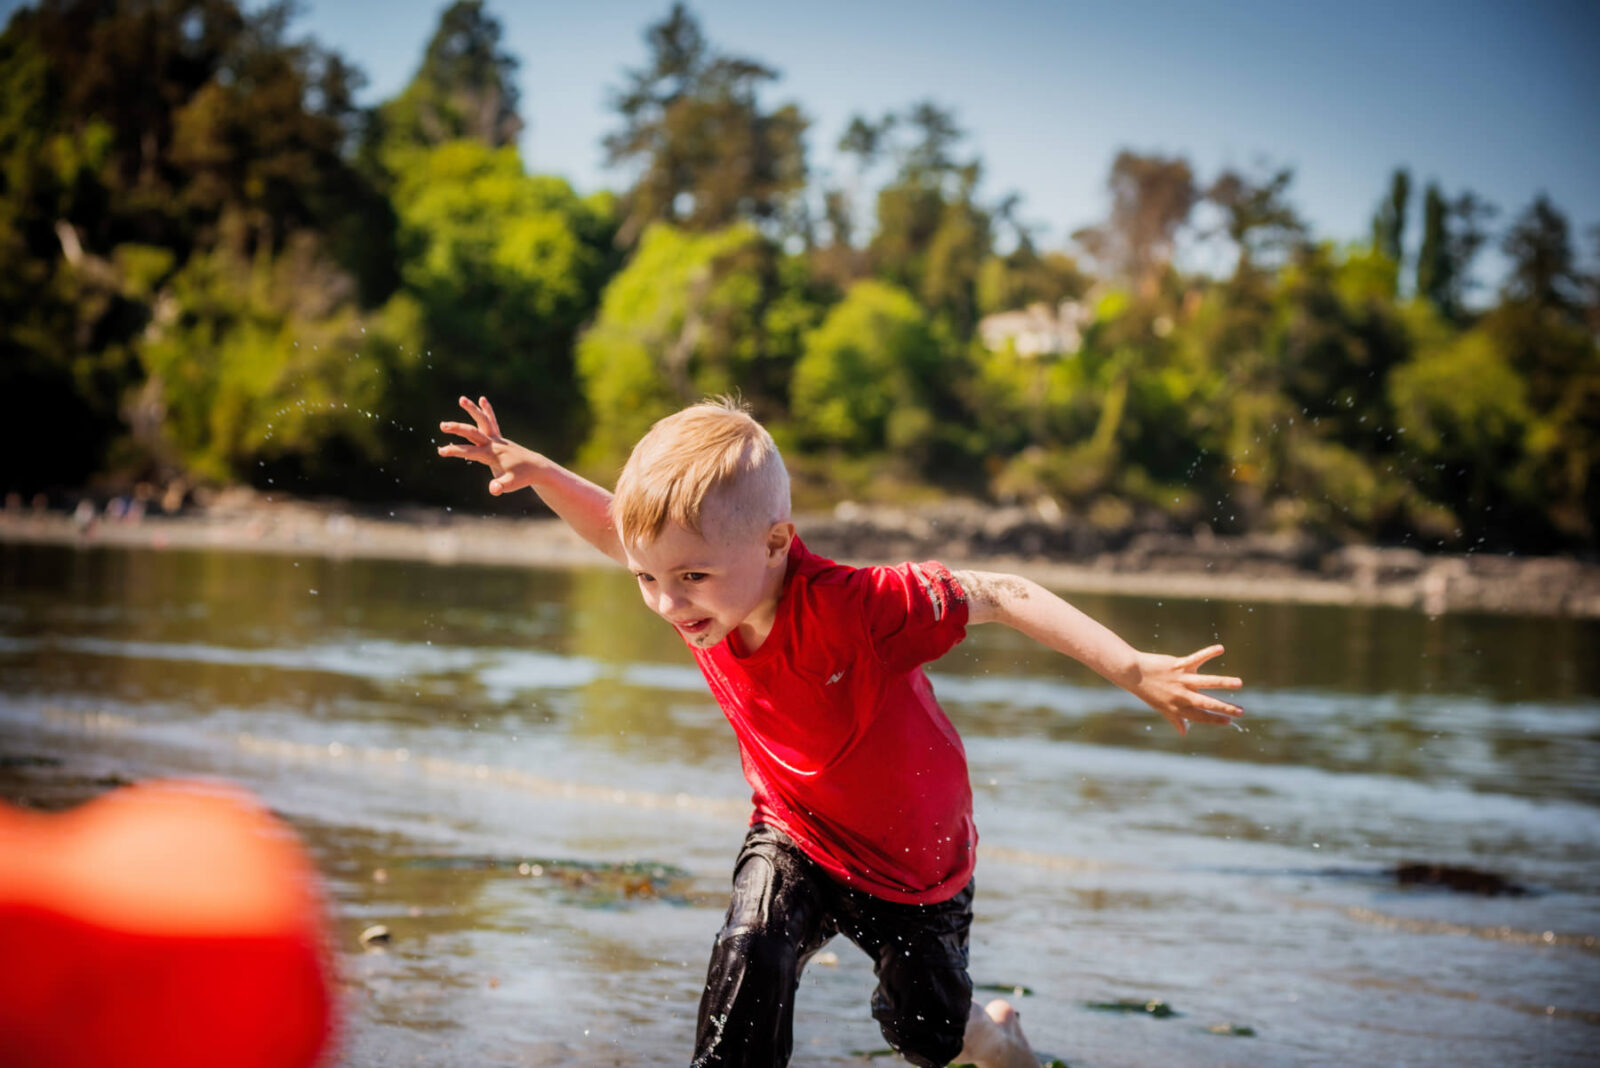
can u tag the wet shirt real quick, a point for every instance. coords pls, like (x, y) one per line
(842, 741)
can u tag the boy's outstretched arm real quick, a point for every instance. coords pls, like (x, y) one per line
(1168, 684)
(584, 506)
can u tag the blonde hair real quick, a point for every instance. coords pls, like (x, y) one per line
(713, 450)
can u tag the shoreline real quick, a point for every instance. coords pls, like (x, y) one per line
(1254, 568)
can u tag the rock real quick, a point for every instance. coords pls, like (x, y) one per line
(1461, 880)
(376, 935)
(1154, 1007)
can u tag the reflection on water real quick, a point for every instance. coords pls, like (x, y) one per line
(438, 733)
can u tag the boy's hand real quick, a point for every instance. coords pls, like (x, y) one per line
(513, 465)
(1168, 684)
(582, 505)
(1171, 686)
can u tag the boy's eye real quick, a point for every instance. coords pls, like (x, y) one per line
(642, 577)
(693, 576)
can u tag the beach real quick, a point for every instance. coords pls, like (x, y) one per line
(1270, 569)
(516, 770)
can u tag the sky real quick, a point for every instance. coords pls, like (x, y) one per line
(1499, 98)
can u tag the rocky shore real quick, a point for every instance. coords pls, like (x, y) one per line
(1047, 547)
(1257, 567)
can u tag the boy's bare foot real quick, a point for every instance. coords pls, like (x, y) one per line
(995, 1039)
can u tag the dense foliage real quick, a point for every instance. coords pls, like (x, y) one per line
(215, 267)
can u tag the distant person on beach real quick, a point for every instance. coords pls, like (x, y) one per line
(863, 810)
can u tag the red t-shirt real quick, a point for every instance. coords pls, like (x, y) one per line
(842, 741)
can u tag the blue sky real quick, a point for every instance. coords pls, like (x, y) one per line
(1503, 99)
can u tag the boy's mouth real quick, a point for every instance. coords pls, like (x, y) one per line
(694, 626)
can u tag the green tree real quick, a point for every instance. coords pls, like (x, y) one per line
(1389, 223)
(1151, 199)
(1257, 216)
(1591, 282)
(1434, 269)
(131, 66)
(266, 361)
(956, 254)
(684, 319)
(1026, 276)
(932, 234)
(45, 380)
(1452, 234)
(1558, 360)
(1543, 267)
(706, 152)
(137, 136)
(505, 267)
(864, 142)
(1335, 353)
(866, 380)
(265, 141)
(465, 89)
(1466, 418)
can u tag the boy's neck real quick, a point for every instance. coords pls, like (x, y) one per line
(757, 626)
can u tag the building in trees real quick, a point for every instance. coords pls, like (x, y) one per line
(1037, 330)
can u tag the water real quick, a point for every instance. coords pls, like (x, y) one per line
(520, 773)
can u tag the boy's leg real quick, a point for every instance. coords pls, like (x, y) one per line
(776, 919)
(924, 997)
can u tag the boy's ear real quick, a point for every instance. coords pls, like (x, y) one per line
(779, 537)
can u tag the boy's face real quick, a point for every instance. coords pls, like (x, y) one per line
(708, 587)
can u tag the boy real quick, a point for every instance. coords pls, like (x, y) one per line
(863, 811)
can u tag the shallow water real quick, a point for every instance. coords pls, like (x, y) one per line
(520, 773)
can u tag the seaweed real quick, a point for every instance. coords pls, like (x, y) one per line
(1153, 1007)
(1014, 989)
(1232, 1030)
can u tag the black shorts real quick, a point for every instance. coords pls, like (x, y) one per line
(784, 909)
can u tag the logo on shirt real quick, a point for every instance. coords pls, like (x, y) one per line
(835, 677)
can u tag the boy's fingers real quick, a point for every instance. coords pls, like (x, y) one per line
(1215, 719)
(466, 430)
(488, 412)
(474, 411)
(1212, 682)
(1200, 656)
